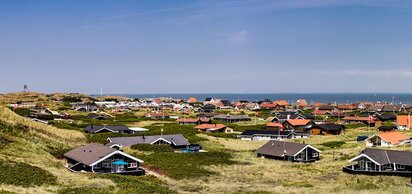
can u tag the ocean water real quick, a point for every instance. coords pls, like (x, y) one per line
(290, 97)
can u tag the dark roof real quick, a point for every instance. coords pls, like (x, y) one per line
(390, 108)
(281, 148)
(225, 102)
(389, 156)
(208, 99)
(90, 153)
(386, 128)
(387, 117)
(330, 127)
(209, 106)
(266, 132)
(176, 139)
(115, 128)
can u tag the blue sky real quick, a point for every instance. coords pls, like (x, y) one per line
(206, 46)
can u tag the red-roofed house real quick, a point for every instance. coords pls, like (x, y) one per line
(297, 124)
(404, 121)
(212, 128)
(387, 139)
(192, 100)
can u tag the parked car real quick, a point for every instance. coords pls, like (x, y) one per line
(362, 138)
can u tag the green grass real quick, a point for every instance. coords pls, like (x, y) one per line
(353, 126)
(22, 174)
(242, 128)
(222, 134)
(66, 125)
(333, 144)
(125, 184)
(4, 140)
(102, 137)
(190, 165)
(58, 150)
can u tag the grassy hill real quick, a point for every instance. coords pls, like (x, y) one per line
(29, 162)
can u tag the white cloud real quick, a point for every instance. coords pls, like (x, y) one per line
(240, 38)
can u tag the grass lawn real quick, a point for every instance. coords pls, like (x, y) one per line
(249, 174)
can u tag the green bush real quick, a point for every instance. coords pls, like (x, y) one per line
(152, 148)
(22, 174)
(353, 126)
(102, 137)
(58, 151)
(189, 165)
(222, 134)
(242, 128)
(86, 190)
(124, 184)
(333, 144)
(24, 112)
(66, 125)
(4, 140)
(142, 184)
(14, 130)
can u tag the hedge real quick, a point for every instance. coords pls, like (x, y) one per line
(23, 174)
(333, 144)
(187, 165)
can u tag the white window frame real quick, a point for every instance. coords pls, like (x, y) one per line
(132, 165)
(400, 166)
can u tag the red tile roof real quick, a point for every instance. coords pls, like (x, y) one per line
(404, 120)
(298, 122)
(274, 125)
(210, 126)
(394, 137)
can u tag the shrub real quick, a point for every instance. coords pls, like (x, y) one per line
(71, 99)
(102, 137)
(333, 144)
(24, 112)
(4, 140)
(152, 148)
(85, 190)
(58, 151)
(14, 130)
(189, 165)
(22, 174)
(246, 127)
(125, 184)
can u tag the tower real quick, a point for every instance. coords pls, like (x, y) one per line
(26, 88)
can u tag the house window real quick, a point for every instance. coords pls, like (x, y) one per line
(132, 165)
(106, 165)
(315, 154)
(97, 166)
(400, 167)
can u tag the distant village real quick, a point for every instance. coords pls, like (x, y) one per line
(277, 122)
